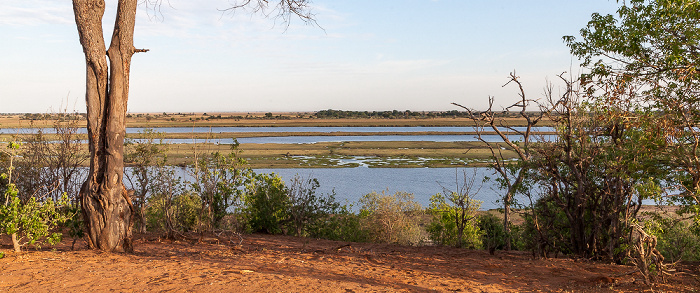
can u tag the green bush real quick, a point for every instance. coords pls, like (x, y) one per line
(676, 239)
(341, 224)
(391, 218)
(179, 213)
(545, 231)
(74, 224)
(171, 207)
(219, 180)
(31, 222)
(265, 204)
(454, 220)
(308, 209)
(493, 236)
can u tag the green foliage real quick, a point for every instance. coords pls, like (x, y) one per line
(265, 204)
(74, 224)
(391, 218)
(179, 213)
(454, 214)
(676, 239)
(453, 224)
(269, 206)
(546, 229)
(643, 63)
(646, 37)
(493, 236)
(171, 207)
(340, 224)
(31, 222)
(219, 180)
(309, 209)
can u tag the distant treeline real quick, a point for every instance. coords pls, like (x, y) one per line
(395, 114)
(323, 114)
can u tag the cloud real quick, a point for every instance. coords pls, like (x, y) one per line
(35, 12)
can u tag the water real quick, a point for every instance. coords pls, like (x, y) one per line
(350, 184)
(315, 139)
(343, 138)
(282, 129)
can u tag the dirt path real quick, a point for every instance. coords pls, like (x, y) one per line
(264, 263)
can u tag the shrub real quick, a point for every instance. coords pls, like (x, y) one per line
(31, 222)
(75, 224)
(176, 213)
(265, 204)
(219, 180)
(391, 218)
(306, 208)
(493, 236)
(341, 224)
(28, 221)
(454, 213)
(171, 208)
(676, 239)
(546, 229)
(453, 225)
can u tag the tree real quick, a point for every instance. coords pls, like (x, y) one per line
(106, 207)
(511, 176)
(219, 180)
(650, 50)
(28, 221)
(143, 156)
(454, 213)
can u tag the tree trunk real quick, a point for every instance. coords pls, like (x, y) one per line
(506, 219)
(15, 243)
(106, 207)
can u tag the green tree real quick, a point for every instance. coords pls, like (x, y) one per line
(29, 221)
(266, 204)
(454, 213)
(646, 57)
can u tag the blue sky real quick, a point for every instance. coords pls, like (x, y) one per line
(370, 55)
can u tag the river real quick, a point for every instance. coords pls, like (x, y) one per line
(352, 183)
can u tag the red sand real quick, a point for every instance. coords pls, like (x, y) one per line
(265, 263)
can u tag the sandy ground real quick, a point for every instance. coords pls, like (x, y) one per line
(265, 263)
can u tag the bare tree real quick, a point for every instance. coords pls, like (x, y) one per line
(511, 178)
(107, 209)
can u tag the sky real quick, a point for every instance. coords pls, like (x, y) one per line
(418, 55)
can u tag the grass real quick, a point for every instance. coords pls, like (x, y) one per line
(331, 154)
(323, 154)
(153, 120)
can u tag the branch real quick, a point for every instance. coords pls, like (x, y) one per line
(284, 9)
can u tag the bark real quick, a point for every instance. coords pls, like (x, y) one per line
(15, 243)
(106, 207)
